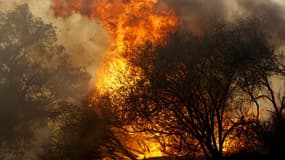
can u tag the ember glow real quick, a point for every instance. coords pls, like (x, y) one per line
(128, 23)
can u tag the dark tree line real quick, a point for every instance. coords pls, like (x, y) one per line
(198, 96)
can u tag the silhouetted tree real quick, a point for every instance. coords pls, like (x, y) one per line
(35, 74)
(190, 93)
(266, 88)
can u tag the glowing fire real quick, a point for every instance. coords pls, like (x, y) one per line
(128, 22)
(154, 151)
(144, 146)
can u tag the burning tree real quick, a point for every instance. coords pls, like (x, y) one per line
(190, 95)
(128, 23)
(196, 94)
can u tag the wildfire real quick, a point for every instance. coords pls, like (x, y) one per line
(144, 146)
(128, 22)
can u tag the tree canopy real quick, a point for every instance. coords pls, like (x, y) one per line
(35, 74)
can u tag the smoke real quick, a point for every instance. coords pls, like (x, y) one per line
(273, 14)
(199, 15)
(84, 39)
(41, 137)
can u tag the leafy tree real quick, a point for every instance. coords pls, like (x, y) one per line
(35, 74)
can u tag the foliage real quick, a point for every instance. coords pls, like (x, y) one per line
(35, 74)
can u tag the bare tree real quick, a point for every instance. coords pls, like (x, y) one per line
(262, 90)
(190, 93)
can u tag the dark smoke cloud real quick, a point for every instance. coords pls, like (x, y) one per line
(196, 15)
(199, 15)
(273, 14)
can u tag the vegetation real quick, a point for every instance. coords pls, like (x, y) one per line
(196, 92)
(198, 96)
(35, 75)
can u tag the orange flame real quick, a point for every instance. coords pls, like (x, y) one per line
(128, 22)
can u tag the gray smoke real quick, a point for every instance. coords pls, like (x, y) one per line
(87, 41)
(199, 15)
(273, 14)
(84, 39)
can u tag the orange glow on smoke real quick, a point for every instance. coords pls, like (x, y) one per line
(128, 22)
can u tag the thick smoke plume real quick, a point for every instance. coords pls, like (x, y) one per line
(84, 39)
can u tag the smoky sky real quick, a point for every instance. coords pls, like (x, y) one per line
(87, 41)
(201, 14)
(272, 13)
(198, 14)
(84, 39)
